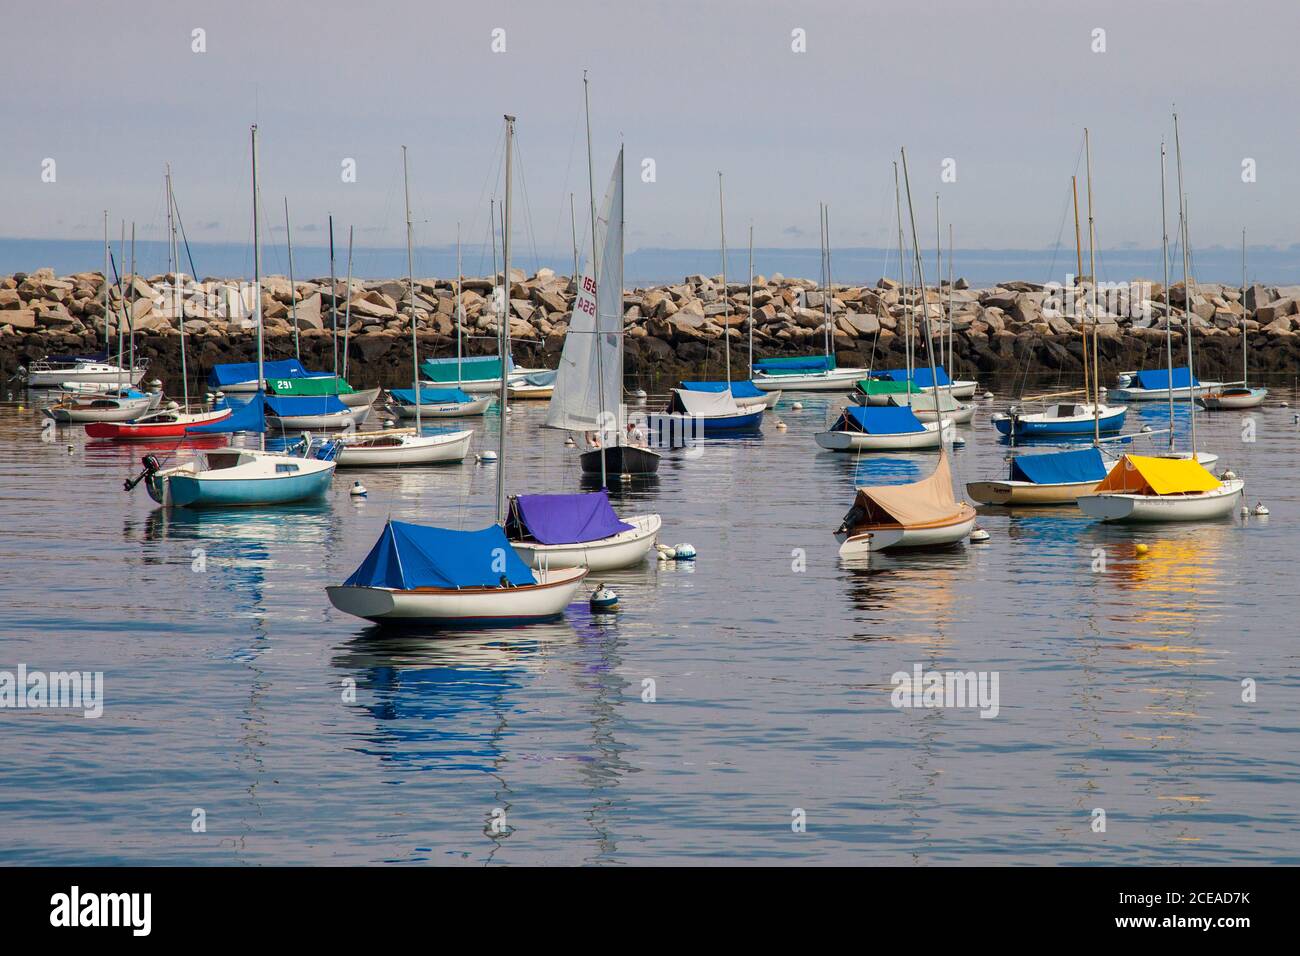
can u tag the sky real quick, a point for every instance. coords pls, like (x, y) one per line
(113, 92)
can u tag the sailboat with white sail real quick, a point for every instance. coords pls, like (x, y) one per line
(1234, 395)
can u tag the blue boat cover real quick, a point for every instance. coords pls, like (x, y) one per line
(803, 363)
(569, 519)
(883, 420)
(410, 556)
(1059, 467)
(236, 372)
(542, 378)
(431, 396)
(82, 357)
(285, 406)
(738, 389)
(920, 376)
(247, 417)
(1159, 378)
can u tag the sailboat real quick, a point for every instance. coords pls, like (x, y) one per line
(578, 531)
(588, 389)
(1146, 489)
(438, 576)
(241, 476)
(405, 446)
(810, 373)
(917, 514)
(1235, 396)
(868, 428)
(744, 393)
(437, 402)
(1055, 478)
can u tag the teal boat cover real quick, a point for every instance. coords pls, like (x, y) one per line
(1056, 468)
(287, 406)
(874, 420)
(410, 556)
(1159, 378)
(738, 389)
(431, 396)
(476, 369)
(246, 417)
(800, 363)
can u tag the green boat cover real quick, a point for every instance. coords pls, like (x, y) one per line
(303, 387)
(476, 369)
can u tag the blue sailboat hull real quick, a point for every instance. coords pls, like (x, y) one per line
(1107, 423)
(190, 492)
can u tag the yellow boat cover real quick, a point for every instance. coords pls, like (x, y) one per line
(920, 502)
(1142, 475)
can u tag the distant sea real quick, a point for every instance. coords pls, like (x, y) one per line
(643, 267)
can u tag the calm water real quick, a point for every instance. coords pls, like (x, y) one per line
(224, 687)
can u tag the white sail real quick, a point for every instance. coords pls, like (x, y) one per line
(589, 379)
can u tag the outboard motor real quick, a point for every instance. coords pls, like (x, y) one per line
(151, 468)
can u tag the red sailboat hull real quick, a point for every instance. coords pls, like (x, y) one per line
(161, 429)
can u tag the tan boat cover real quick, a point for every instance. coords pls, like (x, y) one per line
(921, 502)
(1140, 475)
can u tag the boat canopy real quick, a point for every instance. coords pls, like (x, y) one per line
(703, 404)
(873, 420)
(77, 359)
(408, 556)
(476, 369)
(1058, 468)
(541, 379)
(316, 385)
(741, 389)
(565, 519)
(246, 417)
(796, 364)
(1141, 475)
(921, 502)
(237, 372)
(283, 406)
(920, 376)
(882, 386)
(431, 396)
(1159, 378)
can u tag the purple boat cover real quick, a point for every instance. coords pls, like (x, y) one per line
(569, 519)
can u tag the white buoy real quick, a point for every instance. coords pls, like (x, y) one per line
(1146, 428)
(1245, 510)
(780, 425)
(70, 449)
(1260, 509)
(640, 394)
(488, 457)
(1229, 475)
(988, 396)
(358, 490)
(390, 423)
(979, 535)
(665, 553)
(958, 441)
(684, 552)
(797, 406)
(604, 599)
(569, 442)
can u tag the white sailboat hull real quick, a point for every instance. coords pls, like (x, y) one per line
(349, 419)
(1228, 399)
(934, 435)
(1158, 394)
(622, 550)
(362, 452)
(767, 400)
(832, 381)
(447, 410)
(1200, 506)
(899, 537)
(85, 410)
(447, 606)
(96, 373)
(361, 399)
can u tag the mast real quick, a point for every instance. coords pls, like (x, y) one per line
(1169, 331)
(122, 323)
(938, 294)
(952, 317)
(1187, 287)
(257, 285)
(920, 278)
(902, 280)
(174, 256)
(460, 279)
(573, 232)
(1092, 294)
(726, 301)
(347, 315)
(108, 347)
(826, 294)
(595, 290)
(751, 300)
(505, 324)
(133, 301)
(334, 303)
(492, 214)
(410, 286)
(1243, 309)
(293, 289)
(1078, 277)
